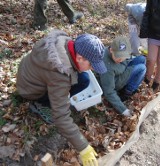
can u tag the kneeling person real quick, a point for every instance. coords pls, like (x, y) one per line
(55, 69)
(123, 73)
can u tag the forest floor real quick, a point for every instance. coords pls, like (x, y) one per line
(24, 138)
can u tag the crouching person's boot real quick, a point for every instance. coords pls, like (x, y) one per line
(125, 95)
(43, 111)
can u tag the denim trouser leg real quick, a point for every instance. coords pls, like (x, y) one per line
(137, 74)
(134, 38)
(83, 82)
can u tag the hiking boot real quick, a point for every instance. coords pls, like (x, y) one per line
(43, 112)
(155, 86)
(77, 16)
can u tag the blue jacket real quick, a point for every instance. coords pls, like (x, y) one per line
(114, 80)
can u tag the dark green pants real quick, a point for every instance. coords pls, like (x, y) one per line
(41, 6)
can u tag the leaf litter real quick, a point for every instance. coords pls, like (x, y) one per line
(101, 125)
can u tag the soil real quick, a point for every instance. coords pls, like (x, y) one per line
(44, 145)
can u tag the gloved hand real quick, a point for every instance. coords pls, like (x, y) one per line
(88, 156)
(127, 112)
(143, 51)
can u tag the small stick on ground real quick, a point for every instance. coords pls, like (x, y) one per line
(47, 160)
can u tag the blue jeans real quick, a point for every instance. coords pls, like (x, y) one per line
(83, 82)
(137, 75)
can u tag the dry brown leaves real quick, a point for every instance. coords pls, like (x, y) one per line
(115, 132)
(18, 128)
(18, 133)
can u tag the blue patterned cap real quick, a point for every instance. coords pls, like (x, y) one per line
(92, 49)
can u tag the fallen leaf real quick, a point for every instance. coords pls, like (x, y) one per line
(8, 127)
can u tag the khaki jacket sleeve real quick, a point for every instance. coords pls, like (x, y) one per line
(58, 91)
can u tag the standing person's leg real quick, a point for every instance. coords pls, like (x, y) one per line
(157, 76)
(156, 81)
(151, 61)
(68, 10)
(134, 38)
(137, 74)
(83, 82)
(40, 20)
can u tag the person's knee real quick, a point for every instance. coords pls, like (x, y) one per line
(139, 69)
(142, 68)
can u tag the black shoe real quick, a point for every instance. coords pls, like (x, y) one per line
(146, 81)
(43, 112)
(124, 95)
(39, 27)
(155, 85)
(77, 16)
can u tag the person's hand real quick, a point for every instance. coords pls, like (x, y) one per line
(143, 51)
(132, 28)
(88, 156)
(127, 112)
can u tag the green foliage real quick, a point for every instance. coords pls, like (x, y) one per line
(16, 99)
(37, 125)
(52, 131)
(6, 53)
(100, 115)
(28, 135)
(2, 120)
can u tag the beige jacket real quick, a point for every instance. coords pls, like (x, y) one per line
(48, 68)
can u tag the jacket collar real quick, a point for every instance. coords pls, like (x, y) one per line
(72, 52)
